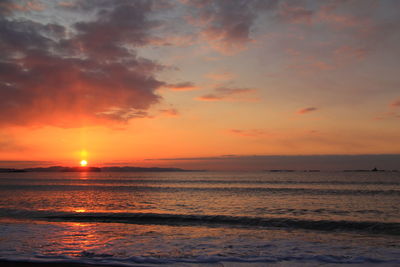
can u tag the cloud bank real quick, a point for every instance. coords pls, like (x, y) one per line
(87, 72)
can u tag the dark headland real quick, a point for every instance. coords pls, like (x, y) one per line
(96, 169)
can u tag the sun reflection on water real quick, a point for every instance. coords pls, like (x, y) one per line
(80, 210)
(84, 175)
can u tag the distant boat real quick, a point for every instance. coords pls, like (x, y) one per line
(374, 170)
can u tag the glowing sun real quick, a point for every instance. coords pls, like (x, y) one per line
(83, 163)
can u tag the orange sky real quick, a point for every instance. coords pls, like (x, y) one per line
(134, 80)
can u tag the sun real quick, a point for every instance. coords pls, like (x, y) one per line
(83, 163)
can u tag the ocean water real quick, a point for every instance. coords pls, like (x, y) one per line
(202, 218)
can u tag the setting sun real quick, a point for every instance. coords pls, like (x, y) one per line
(83, 163)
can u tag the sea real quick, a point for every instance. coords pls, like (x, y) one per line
(201, 218)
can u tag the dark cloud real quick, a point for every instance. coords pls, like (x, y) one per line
(92, 76)
(117, 26)
(225, 93)
(227, 24)
(306, 110)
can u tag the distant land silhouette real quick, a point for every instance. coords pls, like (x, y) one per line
(96, 169)
(373, 170)
(292, 170)
(150, 169)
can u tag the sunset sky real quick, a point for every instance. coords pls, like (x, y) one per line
(147, 83)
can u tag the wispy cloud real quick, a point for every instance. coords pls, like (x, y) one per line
(8, 6)
(306, 110)
(295, 14)
(388, 115)
(347, 51)
(391, 113)
(248, 133)
(9, 143)
(220, 76)
(395, 103)
(171, 112)
(183, 86)
(227, 94)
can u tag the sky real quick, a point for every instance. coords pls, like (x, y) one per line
(144, 83)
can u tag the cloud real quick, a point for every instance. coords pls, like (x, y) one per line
(171, 112)
(395, 103)
(295, 14)
(91, 75)
(328, 12)
(310, 66)
(351, 31)
(227, 24)
(388, 115)
(67, 4)
(122, 114)
(248, 133)
(347, 51)
(8, 143)
(227, 94)
(26, 164)
(183, 86)
(221, 76)
(392, 112)
(306, 110)
(6, 6)
(9, 6)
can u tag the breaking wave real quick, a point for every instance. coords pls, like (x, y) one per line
(392, 228)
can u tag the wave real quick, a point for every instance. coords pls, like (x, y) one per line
(178, 219)
(273, 190)
(371, 227)
(54, 180)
